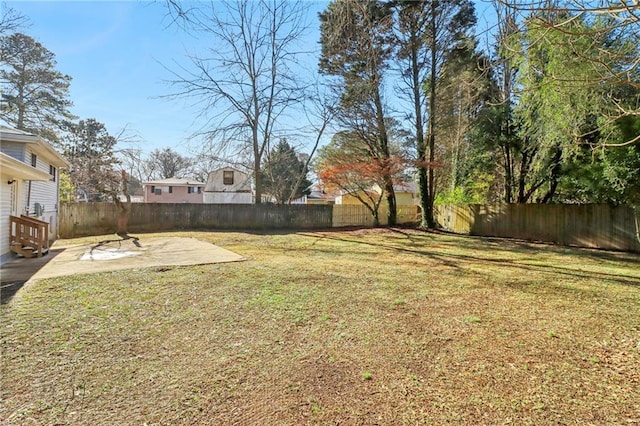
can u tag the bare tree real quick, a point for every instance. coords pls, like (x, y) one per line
(245, 83)
(320, 114)
(166, 163)
(10, 19)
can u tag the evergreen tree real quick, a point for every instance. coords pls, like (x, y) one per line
(35, 95)
(281, 174)
(463, 91)
(567, 102)
(426, 33)
(356, 39)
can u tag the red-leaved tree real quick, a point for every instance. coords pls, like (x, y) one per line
(343, 165)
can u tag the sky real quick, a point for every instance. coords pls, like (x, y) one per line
(117, 53)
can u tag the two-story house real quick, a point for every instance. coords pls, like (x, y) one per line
(228, 186)
(173, 190)
(30, 183)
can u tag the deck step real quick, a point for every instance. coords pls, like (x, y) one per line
(26, 251)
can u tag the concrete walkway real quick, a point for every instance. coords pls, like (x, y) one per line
(110, 255)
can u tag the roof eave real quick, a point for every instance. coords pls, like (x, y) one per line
(17, 169)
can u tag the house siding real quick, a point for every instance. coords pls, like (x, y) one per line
(179, 194)
(45, 193)
(13, 149)
(228, 198)
(216, 192)
(24, 194)
(5, 212)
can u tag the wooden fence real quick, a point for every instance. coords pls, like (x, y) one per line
(358, 215)
(591, 225)
(84, 219)
(588, 225)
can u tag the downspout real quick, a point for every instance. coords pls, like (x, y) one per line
(58, 204)
(28, 199)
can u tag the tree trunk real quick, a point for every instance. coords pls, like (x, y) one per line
(384, 147)
(420, 142)
(122, 223)
(555, 176)
(428, 213)
(508, 174)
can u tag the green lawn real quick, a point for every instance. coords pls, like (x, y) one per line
(355, 327)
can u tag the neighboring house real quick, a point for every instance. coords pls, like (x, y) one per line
(173, 190)
(350, 198)
(228, 186)
(406, 193)
(315, 197)
(30, 184)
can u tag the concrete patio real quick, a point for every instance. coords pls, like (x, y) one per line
(111, 254)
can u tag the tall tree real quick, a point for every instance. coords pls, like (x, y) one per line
(282, 170)
(463, 91)
(356, 47)
(35, 95)
(245, 82)
(426, 33)
(91, 151)
(501, 130)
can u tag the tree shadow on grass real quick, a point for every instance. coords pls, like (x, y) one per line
(459, 260)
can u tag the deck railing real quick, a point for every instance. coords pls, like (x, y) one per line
(28, 236)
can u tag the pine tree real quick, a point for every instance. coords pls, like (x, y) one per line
(281, 172)
(357, 45)
(35, 95)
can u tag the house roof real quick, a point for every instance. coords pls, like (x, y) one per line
(227, 168)
(17, 169)
(320, 195)
(174, 182)
(45, 149)
(410, 186)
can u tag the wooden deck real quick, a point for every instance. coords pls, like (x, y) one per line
(28, 237)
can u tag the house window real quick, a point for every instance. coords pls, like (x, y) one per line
(193, 189)
(199, 190)
(157, 191)
(227, 177)
(52, 172)
(171, 190)
(189, 190)
(34, 160)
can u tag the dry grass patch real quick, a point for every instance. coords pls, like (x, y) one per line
(358, 327)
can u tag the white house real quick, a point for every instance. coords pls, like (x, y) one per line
(30, 181)
(228, 186)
